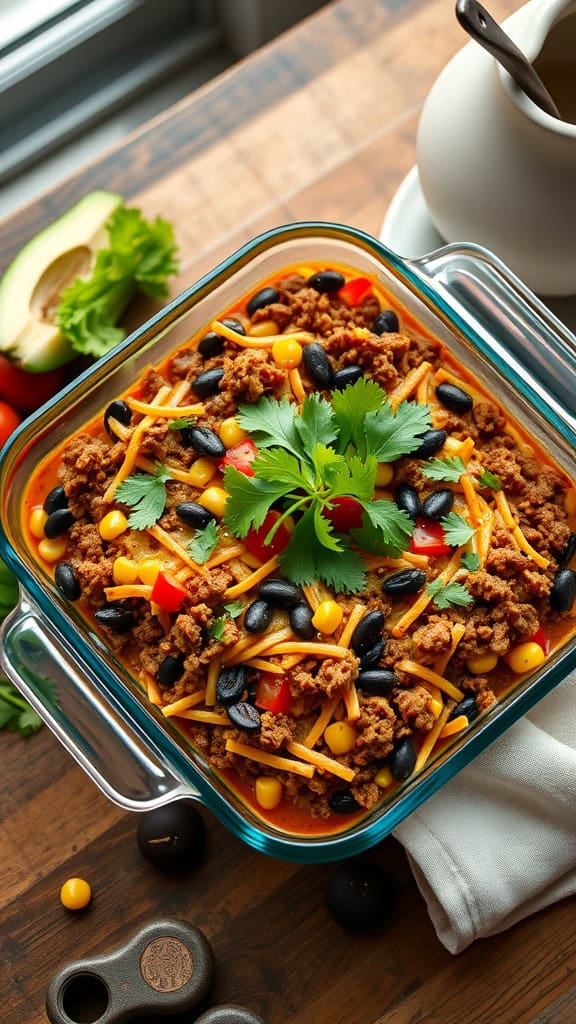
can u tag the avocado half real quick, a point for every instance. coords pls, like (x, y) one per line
(31, 287)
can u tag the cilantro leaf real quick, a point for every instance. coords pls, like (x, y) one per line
(16, 715)
(456, 530)
(470, 560)
(146, 494)
(488, 479)
(324, 458)
(325, 531)
(203, 543)
(446, 594)
(351, 406)
(217, 627)
(386, 530)
(315, 424)
(182, 423)
(445, 469)
(250, 500)
(389, 434)
(276, 465)
(304, 560)
(272, 423)
(352, 476)
(234, 609)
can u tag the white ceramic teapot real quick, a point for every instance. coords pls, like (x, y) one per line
(496, 169)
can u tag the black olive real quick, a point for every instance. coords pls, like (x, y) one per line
(373, 655)
(229, 1014)
(318, 366)
(211, 345)
(405, 581)
(569, 549)
(170, 670)
(386, 322)
(377, 681)
(563, 591)
(204, 441)
(438, 504)
(193, 514)
(430, 443)
(326, 281)
(230, 684)
(117, 410)
(58, 522)
(467, 707)
(244, 716)
(55, 499)
(171, 836)
(367, 633)
(67, 581)
(407, 499)
(265, 297)
(453, 397)
(347, 375)
(342, 802)
(115, 617)
(280, 593)
(301, 621)
(403, 759)
(359, 896)
(257, 616)
(208, 383)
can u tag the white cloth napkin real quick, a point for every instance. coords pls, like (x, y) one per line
(498, 842)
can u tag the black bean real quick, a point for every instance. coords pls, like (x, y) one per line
(385, 323)
(403, 759)
(170, 670)
(67, 581)
(211, 345)
(405, 581)
(257, 616)
(347, 375)
(58, 522)
(193, 514)
(55, 499)
(208, 383)
(117, 410)
(438, 504)
(115, 617)
(569, 549)
(204, 441)
(231, 684)
(265, 297)
(281, 593)
(359, 896)
(407, 499)
(301, 621)
(342, 802)
(377, 681)
(171, 836)
(467, 707)
(563, 591)
(318, 366)
(430, 443)
(234, 325)
(326, 281)
(367, 633)
(244, 716)
(453, 397)
(373, 655)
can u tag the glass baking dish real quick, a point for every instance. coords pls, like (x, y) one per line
(521, 353)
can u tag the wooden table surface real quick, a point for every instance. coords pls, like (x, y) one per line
(318, 125)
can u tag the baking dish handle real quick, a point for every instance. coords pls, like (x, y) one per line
(83, 718)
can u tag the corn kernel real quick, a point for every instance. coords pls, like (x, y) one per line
(231, 432)
(478, 664)
(201, 472)
(214, 499)
(148, 571)
(112, 525)
(124, 570)
(383, 777)
(52, 550)
(435, 706)
(384, 474)
(37, 522)
(327, 616)
(525, 657)
(287, 353)
(263, 329)
(269, 792)
(75, 894)
(340, 737)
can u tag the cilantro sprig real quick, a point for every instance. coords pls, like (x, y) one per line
(456, 530)
(145, 493)
(446, 594)
(488, 479)
(203, 543)
(445, 469)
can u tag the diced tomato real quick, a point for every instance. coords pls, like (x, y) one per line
(27, 391)
(167, 593)
(254, 539)
(273, 693)
(9, 420)
(355, 291)
(428, 539)
(345, 515)
(540, 637)
(240, 456)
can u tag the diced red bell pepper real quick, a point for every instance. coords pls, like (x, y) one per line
(254, 539)
(240, 456)
(540, 637)
(273, 693)
(355, 291)
(345, 515)
(428, 539)
(167, 593)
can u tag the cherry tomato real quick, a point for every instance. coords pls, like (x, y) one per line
(240, 456)
(345, 515)
(167, 593)
(27, 391)
(428, 539)
(273, 693)
(355, 291)
(254, 539)
(539, 637)
(9, 420)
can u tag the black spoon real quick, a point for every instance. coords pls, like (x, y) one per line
(480, 25)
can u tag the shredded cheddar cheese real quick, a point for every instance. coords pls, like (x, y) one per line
(414, 668)
(323, 720)
(253, 579)
(433, 736)
(408, 384)
(321, 761)
(283, 764)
